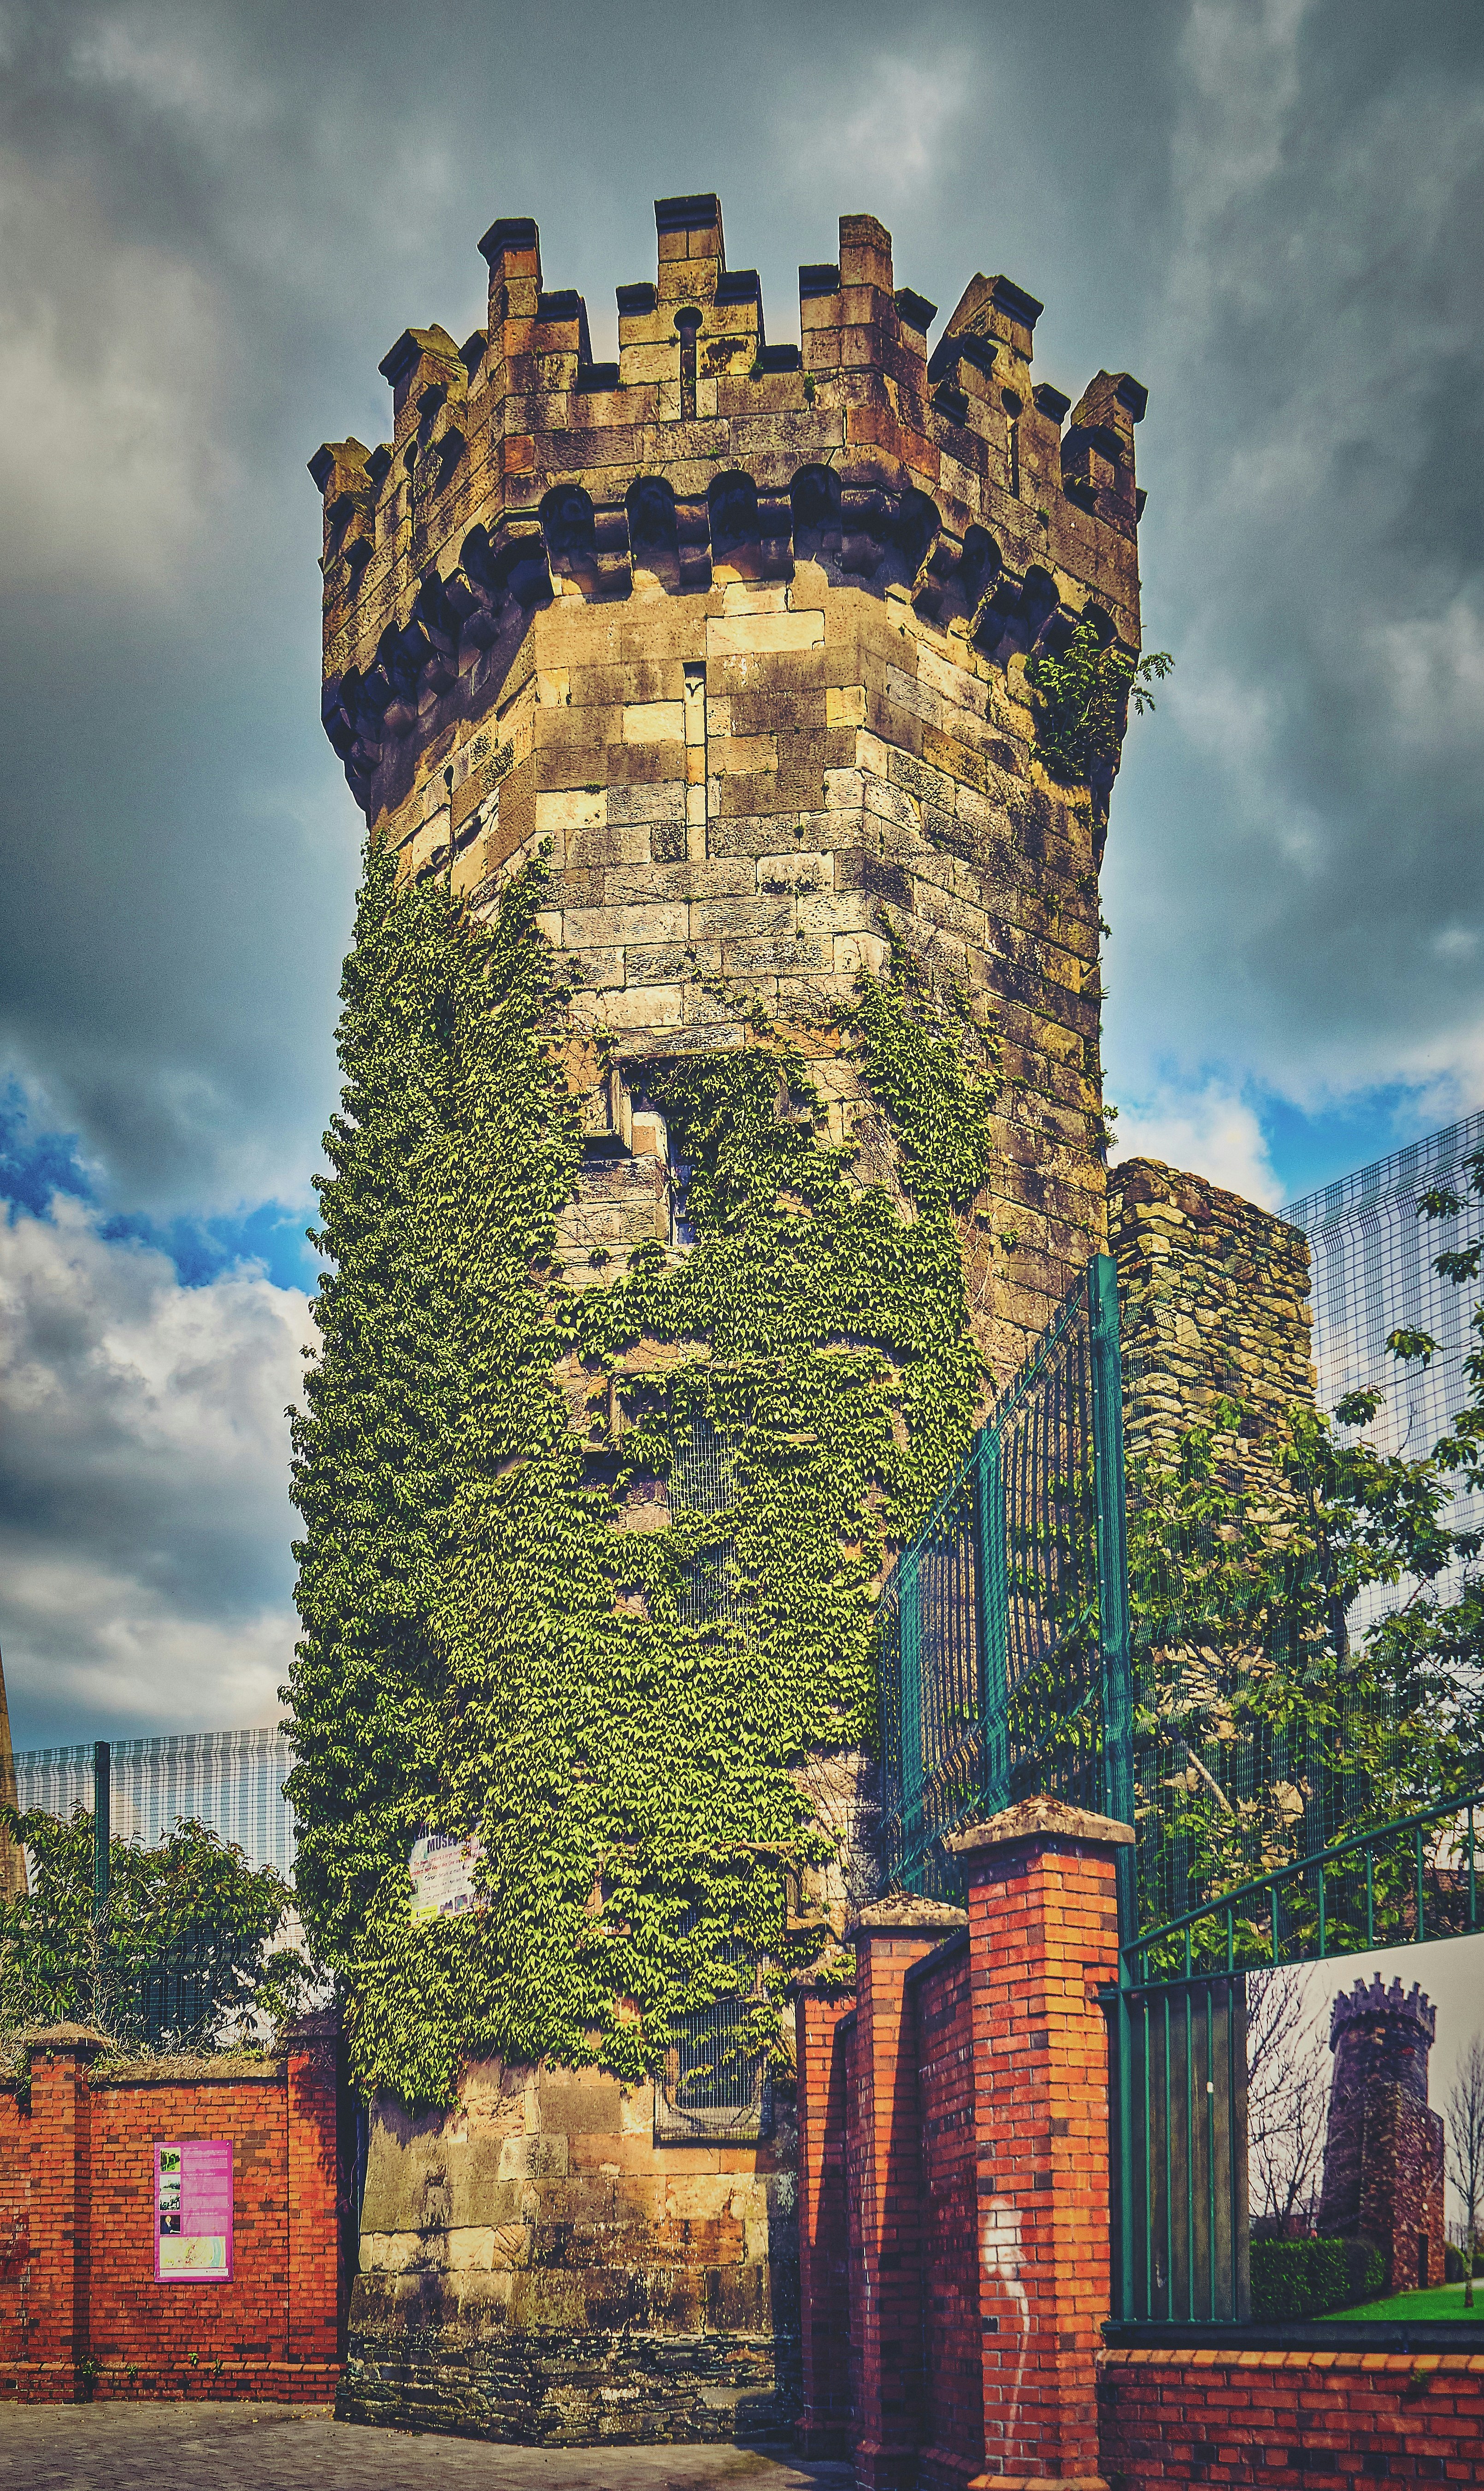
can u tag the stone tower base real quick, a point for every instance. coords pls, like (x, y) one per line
(536, 2266)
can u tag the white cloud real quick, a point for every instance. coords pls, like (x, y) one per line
(143, 1483)
(1208, 1131)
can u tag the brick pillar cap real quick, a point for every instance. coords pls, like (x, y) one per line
(911, 1913)
(67, 2040)
(818, 1985)
(1039, 1816)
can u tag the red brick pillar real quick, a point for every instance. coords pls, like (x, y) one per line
(823, 2427)
(886, 2190)
(1042, 1939)
(56, 2337)
(314, 2194)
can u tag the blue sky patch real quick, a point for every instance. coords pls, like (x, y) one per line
(35, 1166)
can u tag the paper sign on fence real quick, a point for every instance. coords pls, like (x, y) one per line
(442, 1866)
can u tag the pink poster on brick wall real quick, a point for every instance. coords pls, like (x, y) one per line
(193, 2210)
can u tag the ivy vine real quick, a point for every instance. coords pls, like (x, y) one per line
(487, 1646)
(1080, 697)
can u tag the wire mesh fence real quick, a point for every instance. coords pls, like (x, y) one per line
(1002, 1632)
(231, 1780)
(703, 1481)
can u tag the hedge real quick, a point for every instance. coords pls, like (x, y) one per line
(1304, 2279)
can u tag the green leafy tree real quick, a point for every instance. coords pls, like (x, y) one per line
(1265, 1732)
(190, 1900)
(486, 1649)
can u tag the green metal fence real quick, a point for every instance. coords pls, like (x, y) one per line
(1003, 1630)
(1179, 2164)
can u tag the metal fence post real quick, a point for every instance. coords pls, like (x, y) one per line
(103, 1756)
(1112, 1562)
(1118, 1712)
(103, 1759)
(909, 1615)
(989, 1571)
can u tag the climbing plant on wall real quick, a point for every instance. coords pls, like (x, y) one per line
(485, 1647)
(1080, 696)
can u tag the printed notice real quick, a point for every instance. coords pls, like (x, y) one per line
(443, 1870)
(193, 2210)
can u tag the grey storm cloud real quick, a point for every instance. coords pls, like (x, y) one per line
(214, 221)
(1295, 879)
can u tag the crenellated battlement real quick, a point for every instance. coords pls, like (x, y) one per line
(520, 470)
(1400, 2008)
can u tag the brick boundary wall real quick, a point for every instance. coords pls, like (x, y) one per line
(964, 2103)
(883, 2177)
(1290, 2421)
(821, 2029)
(81, 2314)
(940, 1990)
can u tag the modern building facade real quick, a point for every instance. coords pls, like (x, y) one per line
(231, 1780)
(1372, 1255)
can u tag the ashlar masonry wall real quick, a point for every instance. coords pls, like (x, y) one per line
(536, 2264)
(738, 634)
(730, 641)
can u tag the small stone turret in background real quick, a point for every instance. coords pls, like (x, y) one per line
(1383, 2152)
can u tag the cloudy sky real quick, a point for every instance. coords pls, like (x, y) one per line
(215, 220)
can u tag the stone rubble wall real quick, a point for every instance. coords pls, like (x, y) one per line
(1213, 1298)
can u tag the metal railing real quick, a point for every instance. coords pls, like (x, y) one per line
(1180, 2111)
(1002, 1628)
(1400, 1884)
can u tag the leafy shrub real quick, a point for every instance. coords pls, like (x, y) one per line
(1304, 2279)
(1455, 2266)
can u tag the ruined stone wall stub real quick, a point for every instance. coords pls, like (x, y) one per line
(1213, 1300)
(737, 634)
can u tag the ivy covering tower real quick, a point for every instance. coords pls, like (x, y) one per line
(723, 1115)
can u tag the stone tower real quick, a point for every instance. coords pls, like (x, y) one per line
(730, 638)
(1383, 2149)
(740, 632)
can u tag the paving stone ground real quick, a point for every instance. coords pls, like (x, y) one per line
(280, 2448)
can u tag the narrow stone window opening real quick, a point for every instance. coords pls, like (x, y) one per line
(715, 2083)
(687, 322)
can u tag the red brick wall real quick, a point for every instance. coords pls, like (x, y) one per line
(823, 2288)
(15, 2227)
(884, 2177)
(952, 2398)
(1044, 1939)
(81, 2312)
(1290, 2419)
